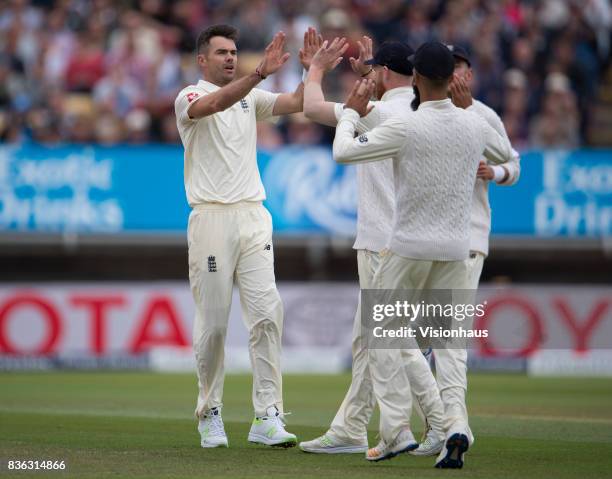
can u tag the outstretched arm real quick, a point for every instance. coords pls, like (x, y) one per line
(384, 141)
(327, 57)
(226, 96)
(289, 102)
(294, 102)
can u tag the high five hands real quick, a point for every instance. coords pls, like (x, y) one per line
(274, 56)
(325, 55)
(312, 43)
(329, 56)
(359, 97)
(365, 53)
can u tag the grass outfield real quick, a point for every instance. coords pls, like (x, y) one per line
(139, 425)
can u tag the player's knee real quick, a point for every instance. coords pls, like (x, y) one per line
(266, 328)
(212, 334)
(268, 307)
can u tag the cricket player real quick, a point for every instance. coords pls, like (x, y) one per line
(436, 151)
(451, 362)
(230, 231)
(393, 75)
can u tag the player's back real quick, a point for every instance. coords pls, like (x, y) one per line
(435, 174)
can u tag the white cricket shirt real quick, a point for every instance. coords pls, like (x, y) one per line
(435, 153)
(221, 149)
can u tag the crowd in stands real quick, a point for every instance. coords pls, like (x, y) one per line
(107, 72)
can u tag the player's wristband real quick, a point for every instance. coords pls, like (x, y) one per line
(259, 74)
(366, 74)
(499, 173)
(304, 75)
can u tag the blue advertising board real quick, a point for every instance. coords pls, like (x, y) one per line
(139, 189)
(559, 194)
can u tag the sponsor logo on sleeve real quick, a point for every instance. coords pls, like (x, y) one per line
(192, 96)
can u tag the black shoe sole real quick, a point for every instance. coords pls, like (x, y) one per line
(285, 445)
(456, 446)
(391, 455)
(282, 445)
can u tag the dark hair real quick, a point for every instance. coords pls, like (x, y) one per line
(416, 101)
(221, 30)
(438, 82)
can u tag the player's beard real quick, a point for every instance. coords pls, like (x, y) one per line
(416, 101)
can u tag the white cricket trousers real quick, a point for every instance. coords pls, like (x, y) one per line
(233, 243)
(451, 364)
(391, 384)
(351, 420)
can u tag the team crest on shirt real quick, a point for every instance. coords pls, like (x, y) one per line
(244, 105)
(363, 139)
(192, 96)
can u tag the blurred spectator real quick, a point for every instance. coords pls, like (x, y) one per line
(138, 125)
(118, 92)
(169, 132)
(255, 21)
(86, 65)
(301, 131)
(109, 130)
(556, 126)
(268, 136)
(415, 27)
(515, 107)
(107, 71)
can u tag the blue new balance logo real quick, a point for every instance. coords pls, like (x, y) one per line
(244, 105)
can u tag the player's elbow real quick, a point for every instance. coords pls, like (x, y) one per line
(340, 155)
(310, 110)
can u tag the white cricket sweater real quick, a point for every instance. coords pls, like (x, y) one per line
(375, 189)
(435, 151)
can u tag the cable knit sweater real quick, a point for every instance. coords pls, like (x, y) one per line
(376, 193)
(435, 153)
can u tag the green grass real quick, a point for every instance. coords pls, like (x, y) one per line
(140, 425)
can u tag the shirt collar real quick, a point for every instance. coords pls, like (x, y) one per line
(207, 85)
(396, 91)
(445, 104)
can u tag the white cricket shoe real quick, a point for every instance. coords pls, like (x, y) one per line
(404, 442)
(270, 430)
(451, 456)
(211, 429)
(430, 446)
(327, 445)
